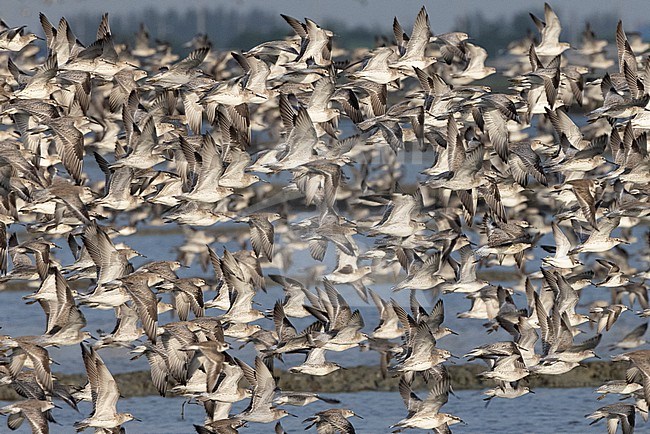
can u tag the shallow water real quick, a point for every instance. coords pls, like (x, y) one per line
(19, 319)
(546, 411)
(549, 410)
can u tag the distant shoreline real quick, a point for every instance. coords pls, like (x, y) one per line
(368, 378)
(501, 276)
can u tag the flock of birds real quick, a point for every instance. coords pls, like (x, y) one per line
(299, 127)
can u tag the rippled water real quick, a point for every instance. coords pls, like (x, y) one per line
(546, 411)
(18, 319)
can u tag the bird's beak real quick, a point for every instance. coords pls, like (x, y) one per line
(356, 415)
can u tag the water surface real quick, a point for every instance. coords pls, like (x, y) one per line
(545, 412)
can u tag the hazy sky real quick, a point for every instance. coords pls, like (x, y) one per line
(442, 14)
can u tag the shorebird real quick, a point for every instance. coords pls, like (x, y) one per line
(590, 45)
(26, 352)
(220, 426)
(227, 379)
(600, 239)
(505, 238)
(294, 296)
(433, 319)
(65, 319)
(506, 390)
(126, 329)
(639, 360)
(110, 262)
(509, 369)
(302, 398)
(399, 217)
(37, 413)
(15, 39)
(615, 413)
(621, 387)
(377, 67)
(422, 353)
(550, 30)
(341, 326)
(136, 288)
(315, 40)
(635, 338)
(315, 364)
(206, 170)
(348, 271)
(415, 51)
(466, 281)
(187, 294)
(181, 72)
(425, 414)
(39, 85)
(104, 395)
(262, 233)
(314, 145)
(389, 326)
(261, 407)
(524, 161)
(25, 385)
(299, 147)
(242, 292)
(476, 69)
(422, 275)
(332, 420)
(561, 259)
(615, 277)
(236, 175)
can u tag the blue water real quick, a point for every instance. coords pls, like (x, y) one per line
(18, 319)
(545, 412)
(548, 411)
